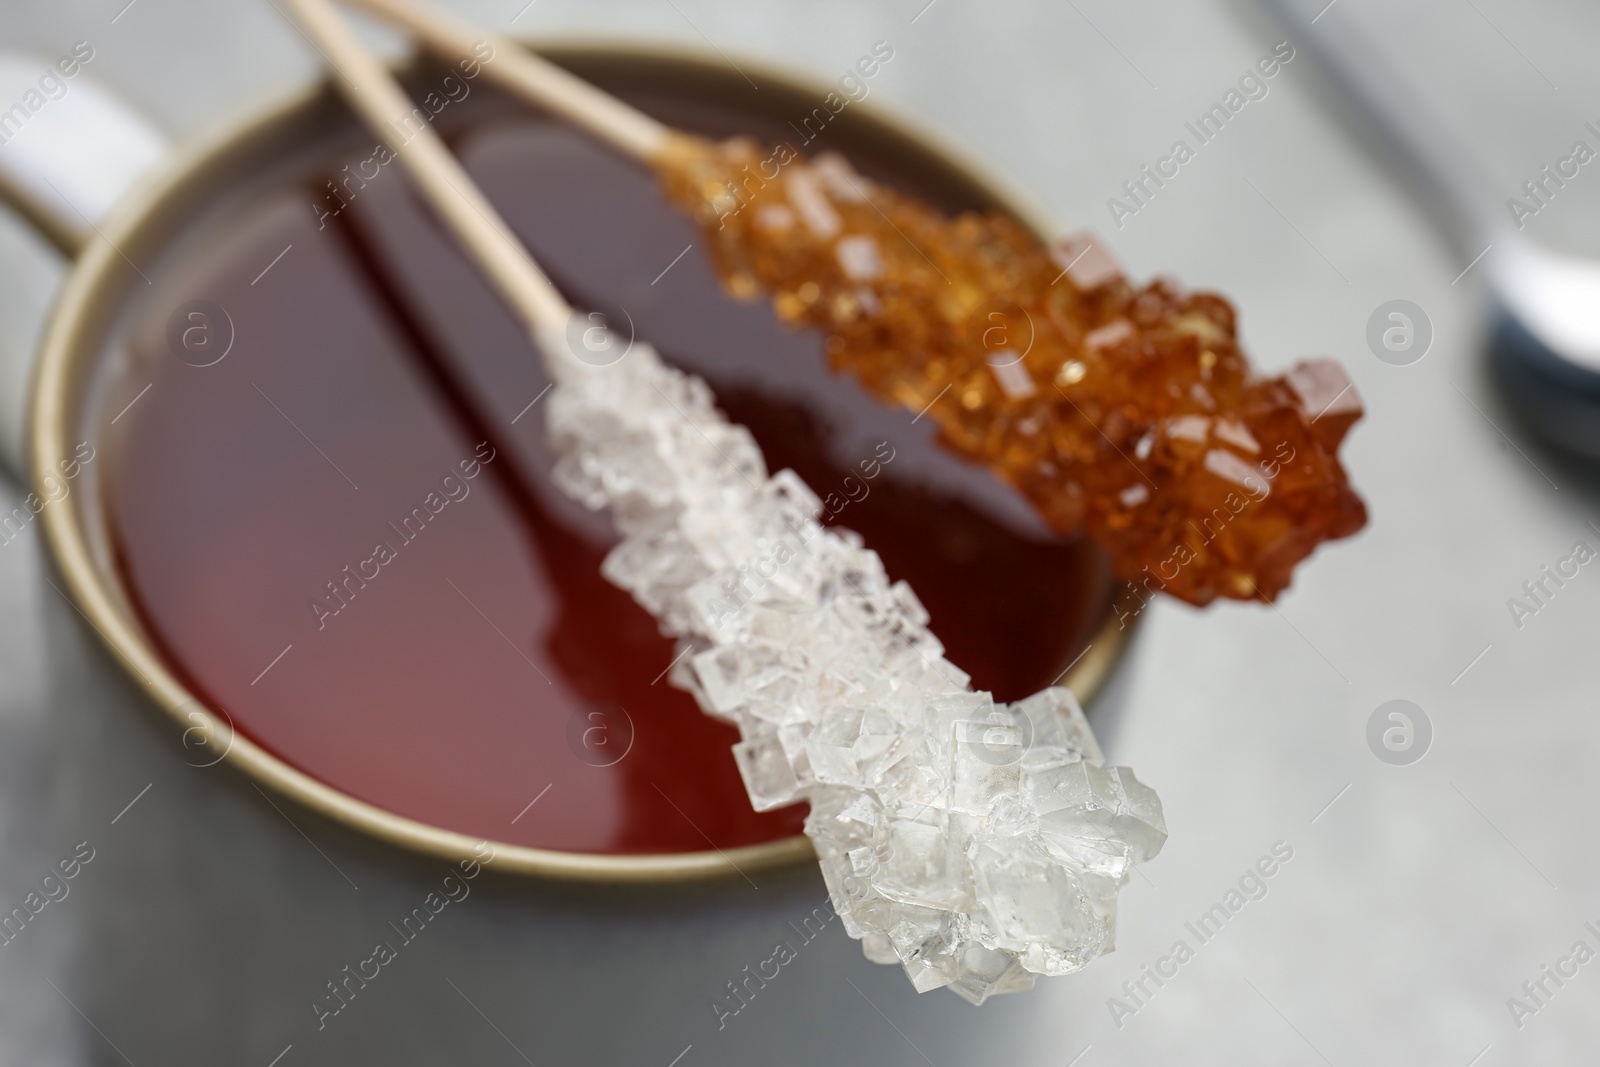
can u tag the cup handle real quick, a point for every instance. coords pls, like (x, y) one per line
(69, 150)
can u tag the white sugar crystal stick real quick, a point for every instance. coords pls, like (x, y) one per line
(978, 845)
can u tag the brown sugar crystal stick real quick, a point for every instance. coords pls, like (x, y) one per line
(1127, 412)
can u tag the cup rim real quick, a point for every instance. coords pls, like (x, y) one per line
(73, 321)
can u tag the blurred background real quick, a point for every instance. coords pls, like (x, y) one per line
(1421, 896)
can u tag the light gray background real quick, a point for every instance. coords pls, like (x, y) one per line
(1426, 895)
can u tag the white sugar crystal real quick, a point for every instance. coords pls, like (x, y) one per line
(832, 746)
(919, 863)
(878, 948)
(985, 765)
(1059, 733)
(1037, 906)
(767, 773)
(977, 845)
(717, 670)
(986, 971)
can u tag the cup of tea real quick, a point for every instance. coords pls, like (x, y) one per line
(370, 761)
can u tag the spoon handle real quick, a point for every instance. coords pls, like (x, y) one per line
(1449, 183)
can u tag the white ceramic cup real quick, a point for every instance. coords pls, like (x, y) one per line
(231, 910)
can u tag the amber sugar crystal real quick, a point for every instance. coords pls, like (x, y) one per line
(1125, 412)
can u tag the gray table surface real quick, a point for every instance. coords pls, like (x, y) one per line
(1425, 895)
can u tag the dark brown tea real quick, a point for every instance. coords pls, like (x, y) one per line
(334, 510)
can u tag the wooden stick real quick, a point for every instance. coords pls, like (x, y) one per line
(527, 75)
(374, 94)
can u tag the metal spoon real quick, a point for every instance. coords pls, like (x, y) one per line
(1545, 339)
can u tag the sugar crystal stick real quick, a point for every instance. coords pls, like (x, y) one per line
(978, 845)
(1127, 412)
